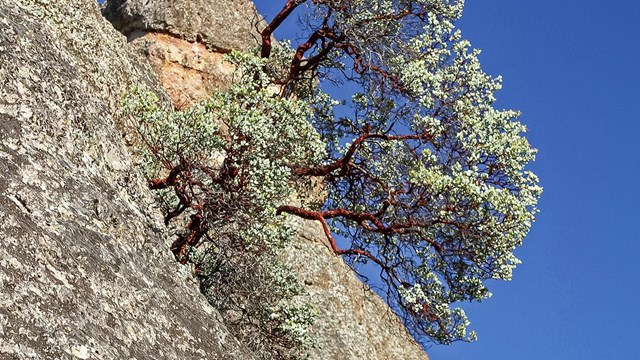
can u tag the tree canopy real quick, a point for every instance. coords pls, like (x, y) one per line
(424, 177)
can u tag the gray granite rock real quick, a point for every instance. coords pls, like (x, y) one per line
(222, 25)
(84, 268)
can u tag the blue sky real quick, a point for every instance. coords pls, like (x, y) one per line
(573, 68)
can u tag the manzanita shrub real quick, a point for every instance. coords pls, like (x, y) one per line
(424, 178)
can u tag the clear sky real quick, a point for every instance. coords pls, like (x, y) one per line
(573, 68)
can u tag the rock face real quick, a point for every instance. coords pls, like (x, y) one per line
(185, 40)
(354, 323)
(84, 268)
(221, 25)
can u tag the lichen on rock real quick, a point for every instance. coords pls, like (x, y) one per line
(84, 267)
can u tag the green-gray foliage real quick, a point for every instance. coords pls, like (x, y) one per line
(424, 176)
(234, 152)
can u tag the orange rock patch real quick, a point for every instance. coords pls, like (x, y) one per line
(188, 71)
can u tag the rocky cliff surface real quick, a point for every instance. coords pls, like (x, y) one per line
(84, 267)
(85, 270)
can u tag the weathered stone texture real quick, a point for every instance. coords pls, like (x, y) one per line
(84, 267)
(222, 25)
